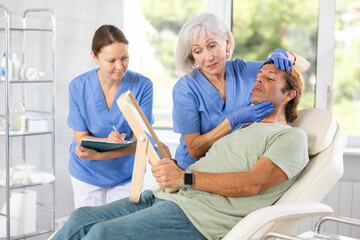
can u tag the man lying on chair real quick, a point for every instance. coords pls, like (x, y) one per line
(248, 169)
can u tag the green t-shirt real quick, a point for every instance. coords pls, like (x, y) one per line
(214, 215)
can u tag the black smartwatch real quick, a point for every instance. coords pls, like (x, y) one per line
(188, 179)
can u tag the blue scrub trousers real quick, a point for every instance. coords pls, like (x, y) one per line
(152, 218)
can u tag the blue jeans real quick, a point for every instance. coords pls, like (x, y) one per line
(152, 218)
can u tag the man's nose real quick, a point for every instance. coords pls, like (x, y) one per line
(259, 80)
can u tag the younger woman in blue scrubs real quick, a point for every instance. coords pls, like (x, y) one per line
(213, 96)
(102, 177)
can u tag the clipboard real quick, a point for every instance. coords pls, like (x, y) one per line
(102, 146)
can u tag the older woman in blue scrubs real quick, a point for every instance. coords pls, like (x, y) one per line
(213, 96)
(102, 177)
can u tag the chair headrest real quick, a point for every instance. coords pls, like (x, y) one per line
(320, 128)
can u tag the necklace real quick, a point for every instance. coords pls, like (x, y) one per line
(219, 90)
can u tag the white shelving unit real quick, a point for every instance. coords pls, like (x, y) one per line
(20, 87)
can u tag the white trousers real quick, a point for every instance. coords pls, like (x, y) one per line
(89, 195)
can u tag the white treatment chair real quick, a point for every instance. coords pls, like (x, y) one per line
(326, 145)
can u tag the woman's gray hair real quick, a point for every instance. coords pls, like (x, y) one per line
(204, 23)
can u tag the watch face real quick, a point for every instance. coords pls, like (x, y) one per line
(188, 178)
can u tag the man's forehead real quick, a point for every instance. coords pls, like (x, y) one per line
(270, 68)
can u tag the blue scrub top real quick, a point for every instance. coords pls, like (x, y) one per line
(198, 107)
(88, 112)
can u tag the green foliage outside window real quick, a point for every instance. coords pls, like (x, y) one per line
(261, 26)
(346, 84)
(167, 19)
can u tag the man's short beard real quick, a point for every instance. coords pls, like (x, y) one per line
(255, 102)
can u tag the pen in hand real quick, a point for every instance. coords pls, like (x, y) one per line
(119, 138)
(113, 126)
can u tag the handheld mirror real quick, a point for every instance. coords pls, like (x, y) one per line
(144, 149)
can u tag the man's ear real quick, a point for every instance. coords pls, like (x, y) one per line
(290, 94)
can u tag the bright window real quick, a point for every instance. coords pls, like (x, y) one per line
(346, 84)
(261, 26)
(258, 28)
(152, 28)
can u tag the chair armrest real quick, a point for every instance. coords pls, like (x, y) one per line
(256, 220)
(279, 236)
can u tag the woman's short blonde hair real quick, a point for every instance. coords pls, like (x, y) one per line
(205, 23)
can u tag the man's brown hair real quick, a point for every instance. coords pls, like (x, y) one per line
(294, 81)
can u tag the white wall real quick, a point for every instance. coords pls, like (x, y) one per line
(76, 22)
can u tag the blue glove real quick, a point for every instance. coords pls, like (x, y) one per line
(280, 59)
(249, 114)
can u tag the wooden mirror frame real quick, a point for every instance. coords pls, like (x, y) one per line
(144, 149)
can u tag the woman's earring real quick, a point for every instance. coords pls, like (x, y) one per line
(196, 65)
(227, 53)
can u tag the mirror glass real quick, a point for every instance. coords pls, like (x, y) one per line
(140, 120)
